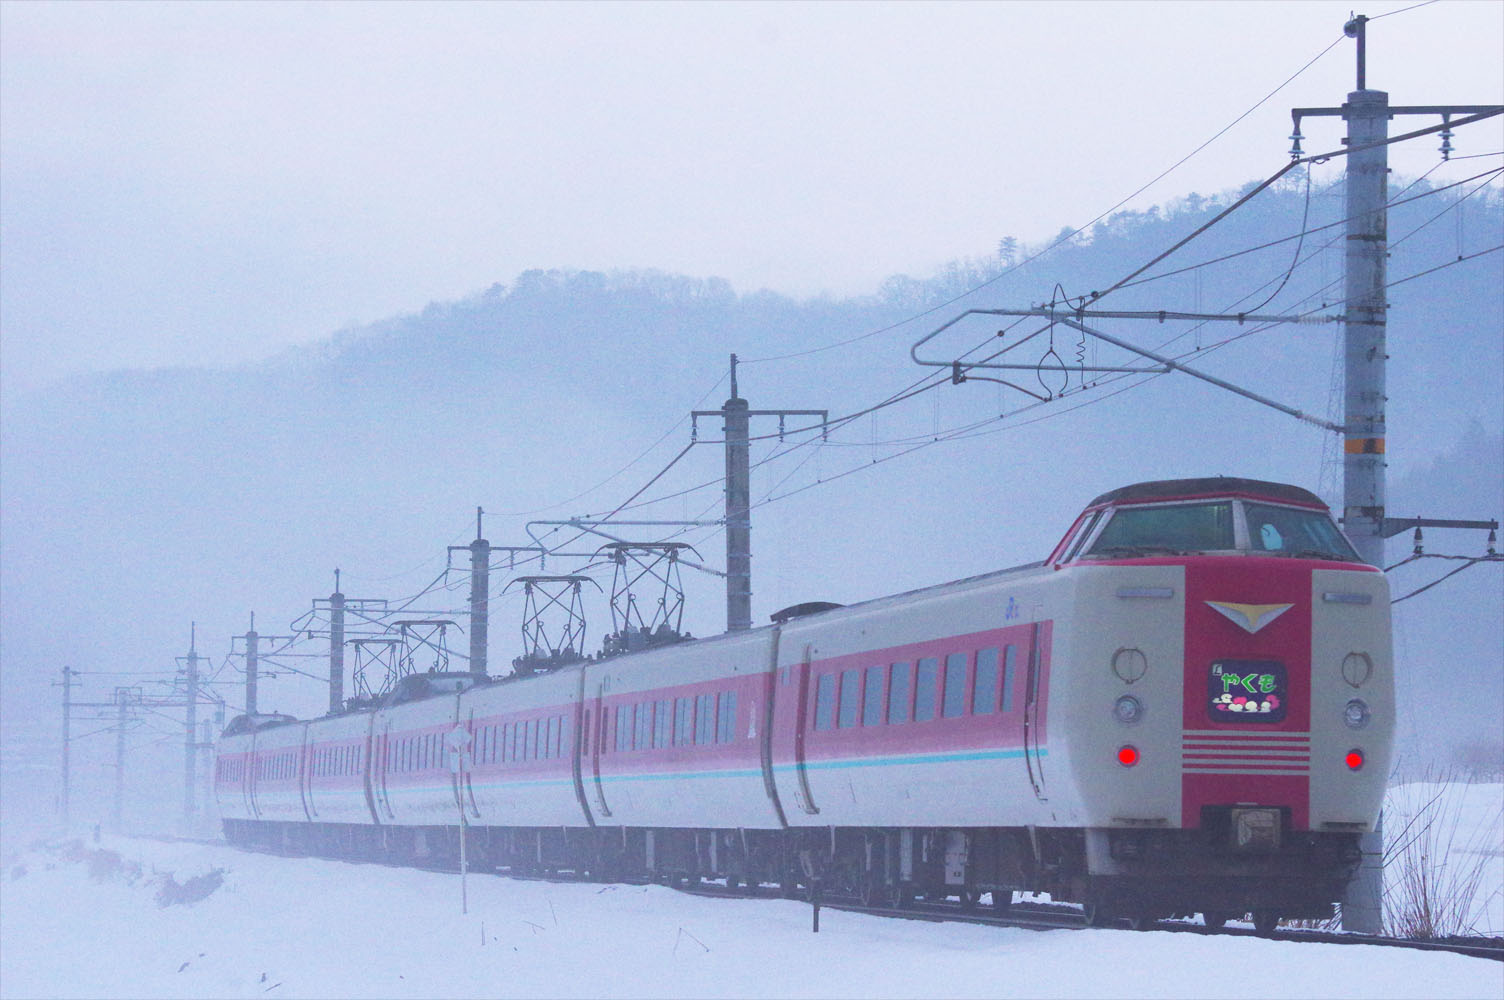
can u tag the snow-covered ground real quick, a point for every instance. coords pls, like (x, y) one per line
(77, 924)
(1444, 857)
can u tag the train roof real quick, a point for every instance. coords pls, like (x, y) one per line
(1179, 489)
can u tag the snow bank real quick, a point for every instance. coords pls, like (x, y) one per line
(282, 927)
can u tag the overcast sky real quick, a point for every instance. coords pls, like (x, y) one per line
(209, 183)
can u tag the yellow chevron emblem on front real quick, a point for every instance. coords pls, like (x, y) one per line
(1251, 617)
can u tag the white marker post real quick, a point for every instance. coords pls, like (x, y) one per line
(458, 740)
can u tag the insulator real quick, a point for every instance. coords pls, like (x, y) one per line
(1493, 539)
(1418, 538)
(1295, 150)
(1446, 145)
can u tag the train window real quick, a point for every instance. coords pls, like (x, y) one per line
(1246, 691)
(1286, 529)
(1008, 658)
(663, 721)
(682, 718)
(585, 735)
(872, 705)
(600, 739)
(984, 688)
(851, 698)
(825, 699)
(1174, 528)
(533, 725)
(900, 692)
(1083, 536)
(705, 719)
(623, 727)
(955, 685)
(725, 728)
(926, 681)
(644, 738)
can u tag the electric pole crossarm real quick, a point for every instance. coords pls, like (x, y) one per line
(1481, 110)
(1059, 315)
(1397, 525)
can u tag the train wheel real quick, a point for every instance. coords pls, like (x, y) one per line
(1098, 915)
(1216, 918)
(1265, 921)
(968, 900)
(1142, 921)
(1002, 900)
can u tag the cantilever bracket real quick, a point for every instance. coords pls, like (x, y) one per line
(1162, 364)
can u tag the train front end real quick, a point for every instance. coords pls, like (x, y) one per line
(1231, 714)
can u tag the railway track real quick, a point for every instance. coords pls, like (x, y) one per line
(1026, 914)
(1057, 916)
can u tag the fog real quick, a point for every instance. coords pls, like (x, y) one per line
(291, 289)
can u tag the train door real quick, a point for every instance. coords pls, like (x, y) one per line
(368, 772)
(248, 787)
(597, 734)
(1033, 697)
(464, 791)
(305, 774)
(803, 722)
(582, 717)
(770, 693)
(380, 754)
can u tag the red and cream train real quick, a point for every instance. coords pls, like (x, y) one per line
(1188, 707)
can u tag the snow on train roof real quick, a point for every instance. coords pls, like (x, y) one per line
(1167, 489)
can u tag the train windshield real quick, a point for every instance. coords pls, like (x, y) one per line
(1215, 526)
(1167, 530)
(1295, 532)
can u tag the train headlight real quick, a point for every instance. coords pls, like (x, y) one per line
(1127, 710)
(1357, 668)
(1128, 755)
(1354, 760)
(1356, 714)
(1129, 665)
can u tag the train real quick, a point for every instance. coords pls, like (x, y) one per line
(1186, 707)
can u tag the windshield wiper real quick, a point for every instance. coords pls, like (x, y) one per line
(1317, 554)
(1136, 550)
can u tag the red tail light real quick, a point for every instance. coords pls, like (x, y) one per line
(1128, 755)
(1354, 759)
